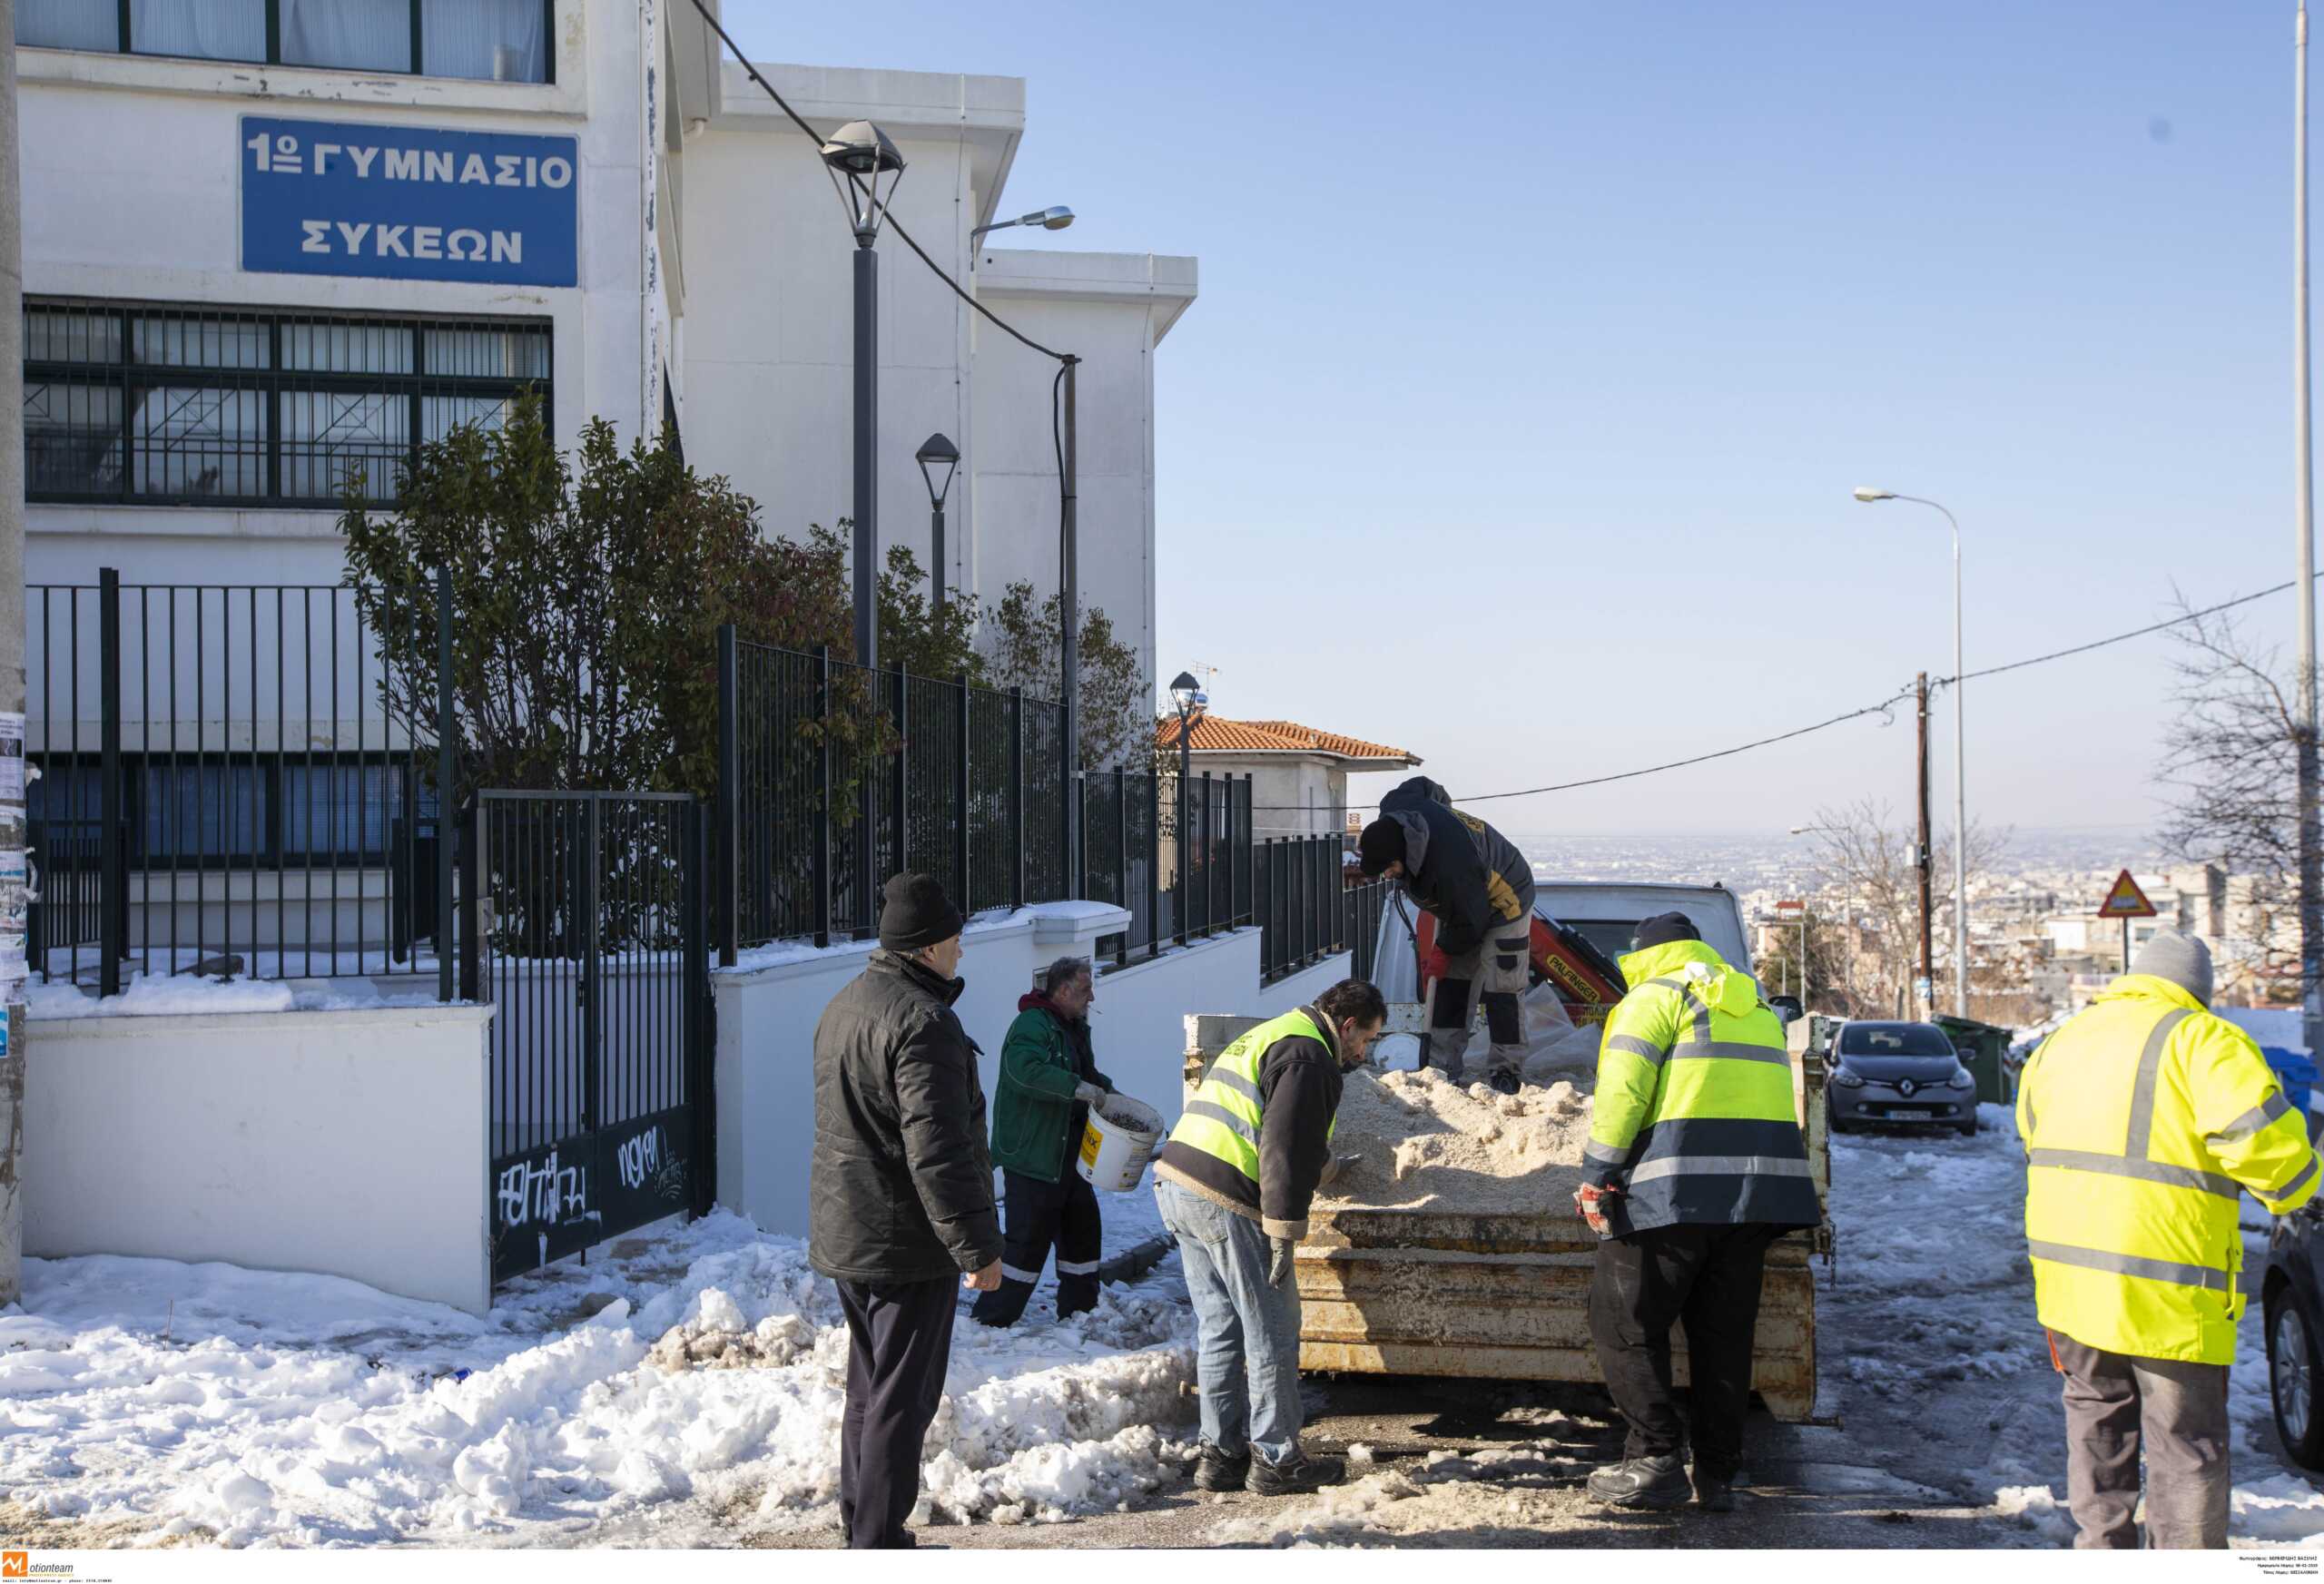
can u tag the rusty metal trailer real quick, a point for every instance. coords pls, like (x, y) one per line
(1438, 1291)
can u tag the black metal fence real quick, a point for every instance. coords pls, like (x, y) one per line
(1301, 905)
(220, 783)
(1365, 903)
(840, 774)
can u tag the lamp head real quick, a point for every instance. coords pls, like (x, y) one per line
(1186, 692)
(938, 458)
(1057, 217)
(1866, 493)
(861, 149)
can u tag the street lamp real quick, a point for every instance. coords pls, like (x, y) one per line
(1960, 768)
(1188, 696)
(855, 158)
(937, 452)
(1057, 217)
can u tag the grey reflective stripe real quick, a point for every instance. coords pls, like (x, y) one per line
(2128, 1264)
(1605, 1155)
(2298, 1182)
(2141, 1132)
(2256, 1119)
(1630, 1044)
(1221, 1115)
(1720, 1165)
(1076, 1267)
(1011, 1273)
(1730, 1050)
(1236, 1082)
(1702, 1016)
(2149, 1171)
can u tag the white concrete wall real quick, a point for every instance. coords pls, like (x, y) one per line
(347, 1143)
(767, 1017)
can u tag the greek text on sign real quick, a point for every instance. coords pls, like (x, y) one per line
(416, 203)
(2125, 900)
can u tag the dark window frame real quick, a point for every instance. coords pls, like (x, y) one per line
(125, 44)
(124, 374)
(81, 826)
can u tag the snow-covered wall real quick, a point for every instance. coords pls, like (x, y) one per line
(352, 1143)
(767, 1012)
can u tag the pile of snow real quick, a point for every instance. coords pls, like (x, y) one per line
(704, 1374)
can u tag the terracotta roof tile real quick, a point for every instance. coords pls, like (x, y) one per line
(1213, 735)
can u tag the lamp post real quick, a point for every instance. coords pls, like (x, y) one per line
(2310, 824)
(1960, 765)
(937, 452)
(857, 156)
(1188, 696)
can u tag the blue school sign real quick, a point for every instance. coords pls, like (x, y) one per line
(409, 203)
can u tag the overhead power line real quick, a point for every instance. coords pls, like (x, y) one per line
(894, 224)
(1881, 708)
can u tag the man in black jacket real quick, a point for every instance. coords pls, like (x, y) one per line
(1479, 888)
(901, 1196)
(1234, 1183)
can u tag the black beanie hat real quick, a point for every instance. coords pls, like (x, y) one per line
(1662, 930)
(916, 913)
(1382, 844)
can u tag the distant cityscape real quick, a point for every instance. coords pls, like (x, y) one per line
(1791, 865)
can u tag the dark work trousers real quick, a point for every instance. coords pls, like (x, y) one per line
(900, 1337)
(1707, 1277)
(2118, 1405)
(1036, 1215)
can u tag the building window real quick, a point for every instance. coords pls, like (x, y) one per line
(500, 41)
(154, 405)
(190, 810)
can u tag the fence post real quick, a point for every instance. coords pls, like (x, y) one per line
(447, 767)
(1121, 857)
(696, 1019)
(961, 795)
(1180, 838)
(1153, 866)
(471, 900)
(822, 853)
(899, 778)
(729, 806)
(1017, 795)
(591, 967)
(112, 908)
(1209, 855)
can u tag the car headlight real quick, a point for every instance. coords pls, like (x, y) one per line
(1961, 1079)
(1846, 1079)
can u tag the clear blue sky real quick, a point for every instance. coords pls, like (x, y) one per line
(1539, 345)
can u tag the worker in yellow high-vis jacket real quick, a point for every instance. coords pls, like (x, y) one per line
(2144, 1119)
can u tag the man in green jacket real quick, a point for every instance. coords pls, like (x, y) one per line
(1048, 1081)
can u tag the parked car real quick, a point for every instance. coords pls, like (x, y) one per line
(2292, 1300)
(1899, 1074)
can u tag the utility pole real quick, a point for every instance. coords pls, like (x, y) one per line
(2311, 838)
(1927, 990)
(11, 664)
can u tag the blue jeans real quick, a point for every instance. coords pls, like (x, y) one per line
(1246, 1354)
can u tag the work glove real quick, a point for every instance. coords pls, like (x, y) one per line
(1336, 1167)
(1589, 1200)
(1279, 1252)
(1089, 1094)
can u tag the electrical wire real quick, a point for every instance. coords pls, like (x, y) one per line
(894, 224)
(1881, 708)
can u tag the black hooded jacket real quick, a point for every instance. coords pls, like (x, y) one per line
(1462, 870)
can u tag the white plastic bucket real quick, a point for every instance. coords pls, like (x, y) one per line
(1118, 1142)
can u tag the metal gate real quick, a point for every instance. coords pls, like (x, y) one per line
(594, 932)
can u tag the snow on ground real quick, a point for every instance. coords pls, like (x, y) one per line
(694, 1381)
(1931, 1351)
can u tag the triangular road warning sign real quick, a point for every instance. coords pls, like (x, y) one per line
(2125, 900)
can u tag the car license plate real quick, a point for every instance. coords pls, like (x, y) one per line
(1905, 1113)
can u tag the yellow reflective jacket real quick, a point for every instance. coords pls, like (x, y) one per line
(1695, 1120)
(2144, 1119)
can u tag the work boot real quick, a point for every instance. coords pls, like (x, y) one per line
(1714, 1493)
(1297, 1476)
(1214, 1471)
(1503, 1083)
(1658, 1482)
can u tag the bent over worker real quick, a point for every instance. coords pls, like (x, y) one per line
(2144, 1119)
(1048, 1081)
(1479, 888)
(1695, 1165)
(1234, 1183)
